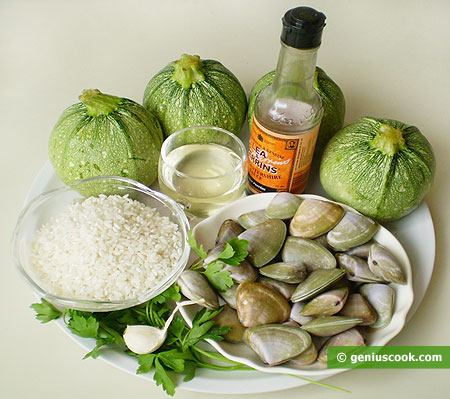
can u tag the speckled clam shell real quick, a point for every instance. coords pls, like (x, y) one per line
(352, 230)
(314, 218)
(357, 306)
(316, 282)
(258, 304)
(275, 343)
(330, 325)
(228, 317)
(356, 269)
(352, 337)
(287, 272)
(384, 265)
(264, 241)
(251, 219)
(283, 206)
(382, 298)
(308, 252)
(326, 304)
(195, 287)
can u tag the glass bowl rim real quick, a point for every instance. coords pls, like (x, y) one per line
(95, 305)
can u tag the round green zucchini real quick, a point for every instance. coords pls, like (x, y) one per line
(381, 167)
(195, 92)
(104, 135)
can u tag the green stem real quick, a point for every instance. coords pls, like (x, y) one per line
(219, 357)
(388, 140)
(223, 368)
(214, 355)
(188, 70)
(98, 103)
(321, 384)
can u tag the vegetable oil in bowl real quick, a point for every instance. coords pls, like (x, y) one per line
(203, 176)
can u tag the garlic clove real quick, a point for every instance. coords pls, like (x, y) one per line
(142, 339)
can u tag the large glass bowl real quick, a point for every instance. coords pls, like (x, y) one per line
(53, 202)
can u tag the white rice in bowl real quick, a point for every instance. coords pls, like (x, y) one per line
(105, 248)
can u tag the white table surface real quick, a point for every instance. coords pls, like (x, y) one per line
(391, 59)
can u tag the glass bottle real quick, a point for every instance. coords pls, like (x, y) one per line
(288, 112)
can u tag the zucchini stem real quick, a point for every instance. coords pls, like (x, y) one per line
(388, 140)
(98, 103)
(188, 70)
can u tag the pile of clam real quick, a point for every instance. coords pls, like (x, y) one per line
(313, 277)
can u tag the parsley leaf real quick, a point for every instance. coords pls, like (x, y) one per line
(239, 251)
(189, 368)
(218, 277)
(172, 359)
(200, 251)
(173, 292)
(227, 252)
(85, 326)
(162, 378)
(45, 311)
(146, 363)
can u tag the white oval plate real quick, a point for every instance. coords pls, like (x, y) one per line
(415, 231)
(206, 232)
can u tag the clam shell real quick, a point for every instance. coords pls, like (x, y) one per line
(361, 251)
(264, 241)
(352, 337)
(251, 219)
(242, 273)
(195, 287)
(330, 325)
(308, 252)
(314, 218)
(317, 282)
(229, 296)
(356, 268)
(296, 313)
(353, 230)
(257, 304)
(284, 289)
(275, 343)
(322, 240)
(384, 265)
(228, 317)
(283, 206)
(357, 306)
(228, 230)
(287, 272)
(382, 298)
(309, 356)
(291, 323)
(326, 304)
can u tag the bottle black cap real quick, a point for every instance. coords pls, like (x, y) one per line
(302, 28)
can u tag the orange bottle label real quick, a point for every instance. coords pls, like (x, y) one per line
(279, 162)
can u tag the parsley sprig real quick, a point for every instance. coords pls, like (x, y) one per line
(179, 353)
(233, 253)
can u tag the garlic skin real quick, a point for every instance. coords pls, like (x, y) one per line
(142, 339)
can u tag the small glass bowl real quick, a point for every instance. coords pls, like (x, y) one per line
(53, 202)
